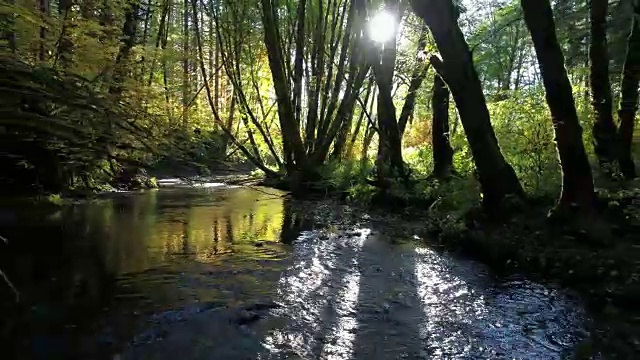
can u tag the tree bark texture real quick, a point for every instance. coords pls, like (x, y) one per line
(604, 129)
(442, 151)
(577, 181)
(417, 77)
(629, 95)
(389, 162)
(295, 155)
(497, 178)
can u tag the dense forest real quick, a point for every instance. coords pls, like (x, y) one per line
(456, 107)
(354, 95)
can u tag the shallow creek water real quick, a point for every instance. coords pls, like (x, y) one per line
(219, 272)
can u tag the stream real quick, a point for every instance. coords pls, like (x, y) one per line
(221, 272)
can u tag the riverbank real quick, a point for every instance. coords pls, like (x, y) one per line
(605, 271)
(600, 261)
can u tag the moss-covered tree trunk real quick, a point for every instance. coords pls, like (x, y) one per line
(629, 95)
(496, 176)
(604, 129)
(577, 181)
(442, 151)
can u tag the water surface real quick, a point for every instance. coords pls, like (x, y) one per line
(216, 272)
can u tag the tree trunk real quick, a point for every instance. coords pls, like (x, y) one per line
(497, 178)
(185, 63)
(163, 46)
(341, 139)
(317, 73)
(577, 181)
(8, 32)
(44, 9)
(298, 61)
(604, 129)
(64, 52)
(216, 96)
(363, 113)
(389, 162)
(629, 96)
(148, 17)
(366, 142)
(129, 31)
(295, 156)
(229, 124)
(159, 39)
(442, 151)
(417, 76)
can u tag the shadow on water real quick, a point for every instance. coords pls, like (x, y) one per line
(353, 295)
(389, 311)
(62, 283)
(234, 273)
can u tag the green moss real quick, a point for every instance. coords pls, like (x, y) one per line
(54, 199)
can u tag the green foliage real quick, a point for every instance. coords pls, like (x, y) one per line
(522, 125)
(102, 108)
(452, 201)
(347, 175)
(54, 199)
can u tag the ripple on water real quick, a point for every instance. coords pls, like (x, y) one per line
(188, 264)
(361, 297)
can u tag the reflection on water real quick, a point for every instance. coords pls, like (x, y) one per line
(150, 229)
(212, 272)
(132, 254)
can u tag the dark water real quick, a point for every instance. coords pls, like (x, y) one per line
(235, 273)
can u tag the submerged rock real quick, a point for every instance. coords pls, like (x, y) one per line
(249, 314)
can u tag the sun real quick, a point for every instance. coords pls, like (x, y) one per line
(382, 27)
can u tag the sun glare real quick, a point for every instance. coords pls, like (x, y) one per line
(382, 27)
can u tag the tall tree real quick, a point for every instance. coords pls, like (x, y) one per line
(629, 95)
(335, 74)
(8, 32)
(65, 44)
(186, 81)
(442, 151)
(577, 181)
(497, 178)
(418, 75)
(389, 162)
(604, 129)
(44, 9)
(122, 69)
(295, 156)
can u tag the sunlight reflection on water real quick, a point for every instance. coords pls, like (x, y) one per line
(445, 312)
(188, 262)
(476, 318)
(340, 341)
(307, 291)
